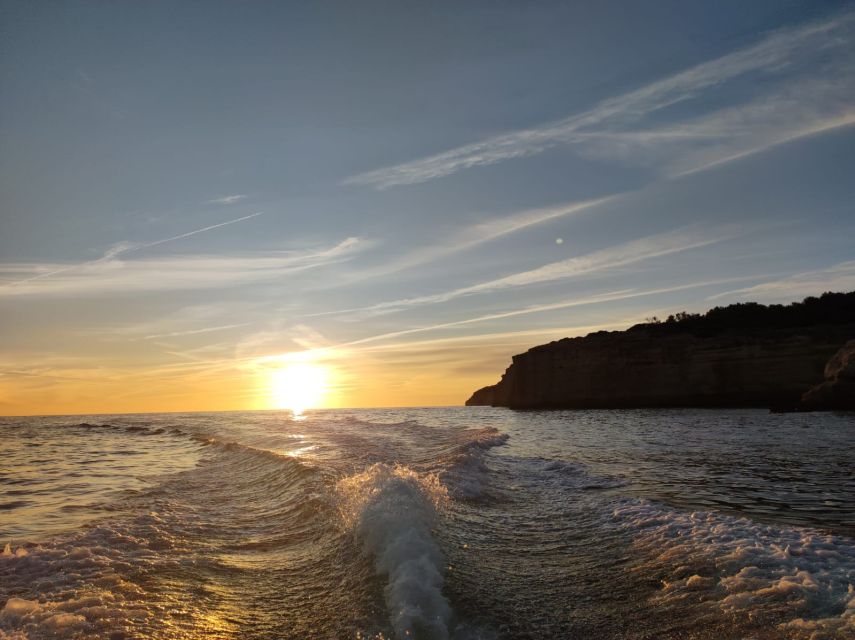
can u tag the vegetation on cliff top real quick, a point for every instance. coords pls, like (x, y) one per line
(827, 309)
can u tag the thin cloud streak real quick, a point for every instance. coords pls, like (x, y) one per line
(838, 277)
(727, 137)
(228, 199)
(773, 55)
(192, 332)
(480, 233)
(211, 367)
(621, 255)
(501, 335)
(803, 108)
(180, 272)
(121, 248)
(554, 306)
(202, 230)
(810, 129)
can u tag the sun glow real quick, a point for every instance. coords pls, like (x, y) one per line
(298, 386)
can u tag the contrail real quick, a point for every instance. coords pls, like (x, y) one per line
(203, 229)
(129, 247)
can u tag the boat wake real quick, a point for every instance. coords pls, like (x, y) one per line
(391, 510)
(397, 525)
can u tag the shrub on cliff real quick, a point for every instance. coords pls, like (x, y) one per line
(829, 308)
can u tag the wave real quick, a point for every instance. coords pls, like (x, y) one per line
(799, 580)
(243, 507)
(562, 479)
(463, 469)
(79, 585)
(126, 573)
(252, 453)
(391, 510)
(357, 421)
(574, 475)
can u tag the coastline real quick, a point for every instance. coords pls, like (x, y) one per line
(727, 358)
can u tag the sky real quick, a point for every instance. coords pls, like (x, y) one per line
(196, 196)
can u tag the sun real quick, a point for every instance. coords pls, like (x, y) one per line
(298, 386)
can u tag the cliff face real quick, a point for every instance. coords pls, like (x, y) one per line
(641, 368)
(838, 390)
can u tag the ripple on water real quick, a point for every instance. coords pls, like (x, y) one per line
(462, 522)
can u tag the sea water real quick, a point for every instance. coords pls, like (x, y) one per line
(429, 523)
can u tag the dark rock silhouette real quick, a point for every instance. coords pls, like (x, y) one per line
(838, 390)
(738, 356)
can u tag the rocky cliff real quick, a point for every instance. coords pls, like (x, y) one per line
(693, 361)
(838, 389)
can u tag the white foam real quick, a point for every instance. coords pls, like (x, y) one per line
(392, 510)
(80, 585)
(802, 580)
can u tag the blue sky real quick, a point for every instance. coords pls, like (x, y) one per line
(191, 191)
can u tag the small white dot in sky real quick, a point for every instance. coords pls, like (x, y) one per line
(559, 240)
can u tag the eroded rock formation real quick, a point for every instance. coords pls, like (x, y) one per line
(640, 369)
(838, 389)
(745, 354)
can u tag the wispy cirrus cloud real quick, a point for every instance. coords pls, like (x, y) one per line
(611, 296)
(193, 332)
(172, 273)
(603, 260)
(476, 234)
(804, 107)
(116, 250)
(185, 321)
(779, 57)
(232, 199)
(838, 277)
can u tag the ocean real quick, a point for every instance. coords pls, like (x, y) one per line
(437, 523)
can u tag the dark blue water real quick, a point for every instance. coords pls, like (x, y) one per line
(429, 523)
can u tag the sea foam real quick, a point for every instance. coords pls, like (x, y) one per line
(800, 580)
(391, 510)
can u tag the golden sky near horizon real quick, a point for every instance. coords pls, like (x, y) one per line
(432, 372)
